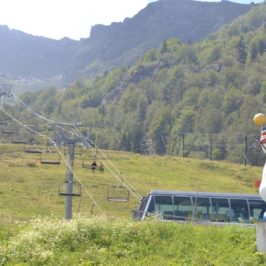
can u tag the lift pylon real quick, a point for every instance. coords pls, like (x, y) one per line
(69, 183)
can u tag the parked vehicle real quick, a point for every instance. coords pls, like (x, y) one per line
(202, 206)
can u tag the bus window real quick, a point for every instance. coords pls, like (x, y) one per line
(164, 206)
(221, 212)
(182, 208)
(151, 207)
(257, 208)
(201, 208)
(143, 203)
(240, 210)
(137, 214)
(144, 210)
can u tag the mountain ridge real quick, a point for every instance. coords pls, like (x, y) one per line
(118, 44)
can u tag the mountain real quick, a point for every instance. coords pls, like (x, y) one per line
(203, 94)
(26, 56)
(23, 54)
(32, 61)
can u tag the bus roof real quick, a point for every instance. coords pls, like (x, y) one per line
(205, 194)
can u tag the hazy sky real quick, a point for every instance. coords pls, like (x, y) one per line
(67, 18)
(59, 18)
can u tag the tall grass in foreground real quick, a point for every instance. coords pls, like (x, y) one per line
(102, 241)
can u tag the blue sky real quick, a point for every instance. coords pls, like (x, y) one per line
(66, 18)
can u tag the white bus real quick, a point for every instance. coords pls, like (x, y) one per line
(201, 206)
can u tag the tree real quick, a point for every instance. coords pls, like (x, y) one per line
(159, 130)
(241, 50)
(125, 142)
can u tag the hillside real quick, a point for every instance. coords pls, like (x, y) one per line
(30, 189)
(32, 60)
(121, 43)
(26, 55)
(177, 99)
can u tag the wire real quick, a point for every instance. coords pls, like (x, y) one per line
(127, 185)
(75, 176)
(39, 115)
(59, 152)
(125, 181)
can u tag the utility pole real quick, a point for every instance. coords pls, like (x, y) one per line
(183, 144)
(245, 150)
(69, 178)
(210, 147)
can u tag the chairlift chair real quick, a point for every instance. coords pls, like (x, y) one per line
(118, 194)
(17, 141)
(31, 149)
(8, 132)
(49, 147)
(86, 165)
(20, 139)
(76, 189)
(47, 160)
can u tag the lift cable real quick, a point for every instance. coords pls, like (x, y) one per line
(64, 123)
(65, 161)
(125, 181)
(58, 123)
(34, 112)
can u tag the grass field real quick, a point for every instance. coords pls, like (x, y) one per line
(29, 192)
(29, 189)
(101, 241)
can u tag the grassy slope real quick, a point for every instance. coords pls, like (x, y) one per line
(30, 189)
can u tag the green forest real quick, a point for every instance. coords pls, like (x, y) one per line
(193, 100)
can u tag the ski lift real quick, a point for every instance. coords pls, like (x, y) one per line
(19, 139)
(75, 191)
(118, 194)
(31, 149)
(50, 155)
(9, 129)
(49, 147)
(93, 205)
(78, 150)
(8, 132)
(93, 166)
(50, 158)
(34, 151)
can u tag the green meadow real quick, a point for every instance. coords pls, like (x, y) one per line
(30, 189)
(33, 230)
